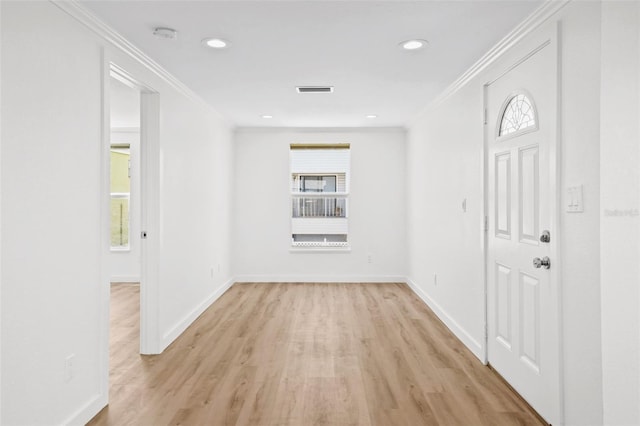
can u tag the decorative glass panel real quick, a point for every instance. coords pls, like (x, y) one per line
(518, 115)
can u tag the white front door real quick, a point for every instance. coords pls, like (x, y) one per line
(522, 298)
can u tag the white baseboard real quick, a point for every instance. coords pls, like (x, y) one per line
(125, 278)
(320, 278)
(87, 411)
(465, 337)
(184, 323)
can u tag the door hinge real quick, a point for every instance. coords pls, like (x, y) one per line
(486, 223)
(484, 118)
(143, 235)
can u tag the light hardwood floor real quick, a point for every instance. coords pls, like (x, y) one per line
(305, 354)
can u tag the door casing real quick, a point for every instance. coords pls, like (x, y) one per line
(543, 37)
(150, 216)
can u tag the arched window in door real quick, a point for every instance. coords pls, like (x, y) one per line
(518, 116)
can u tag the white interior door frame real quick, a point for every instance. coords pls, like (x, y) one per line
(511, 60)
(150, 218)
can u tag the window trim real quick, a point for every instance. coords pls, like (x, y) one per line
(296, 192)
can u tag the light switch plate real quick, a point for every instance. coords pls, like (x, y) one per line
(574, 199)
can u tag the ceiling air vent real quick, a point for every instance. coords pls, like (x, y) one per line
(314, 89)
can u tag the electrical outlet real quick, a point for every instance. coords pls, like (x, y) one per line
(69, 367)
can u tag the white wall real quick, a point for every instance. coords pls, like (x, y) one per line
(444, 243)
(52, 190)
(195, 206)
(51, 247)
(579, 42)
(445, 145)
(620, 202)
(262, 211)
(124, 105)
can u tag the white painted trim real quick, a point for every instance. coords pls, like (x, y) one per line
(638, 236)
(175, 331)
(320, 249)
(129, 279)
(104, 201)
(463, 335)
(87, 411)
(123, 250)
(485, 221)
(548, 9)
(320, 278)
(555, 204)
(76, 10)
(0, 221)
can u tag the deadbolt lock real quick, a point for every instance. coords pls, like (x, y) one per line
(542, 263)
(545, 237)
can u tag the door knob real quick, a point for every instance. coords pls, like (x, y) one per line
(542, 263)
(545, 237)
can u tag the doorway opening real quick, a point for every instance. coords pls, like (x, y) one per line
(125, 200)
(131, 168)
(125, 222)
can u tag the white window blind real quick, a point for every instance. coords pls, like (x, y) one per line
(320, 161)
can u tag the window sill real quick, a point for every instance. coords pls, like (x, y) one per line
(120, 250)
(346, 249)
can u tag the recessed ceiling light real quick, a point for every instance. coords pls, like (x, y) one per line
(266, 116)
(372, 116)
(164, 32)
(414, 44)
(216, 43)
(314, 89)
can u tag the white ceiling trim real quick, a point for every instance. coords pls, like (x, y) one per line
(537, 18)
(104, 31)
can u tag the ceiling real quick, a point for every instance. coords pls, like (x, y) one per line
(350, 45)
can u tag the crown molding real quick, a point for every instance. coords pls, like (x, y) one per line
(541, 15)
(87, 18)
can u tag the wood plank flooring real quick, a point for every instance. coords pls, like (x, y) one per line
(305, 354)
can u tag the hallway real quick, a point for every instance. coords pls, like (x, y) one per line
(417, 90)
(305, 354)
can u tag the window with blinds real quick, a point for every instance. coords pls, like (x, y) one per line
(320, 194)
